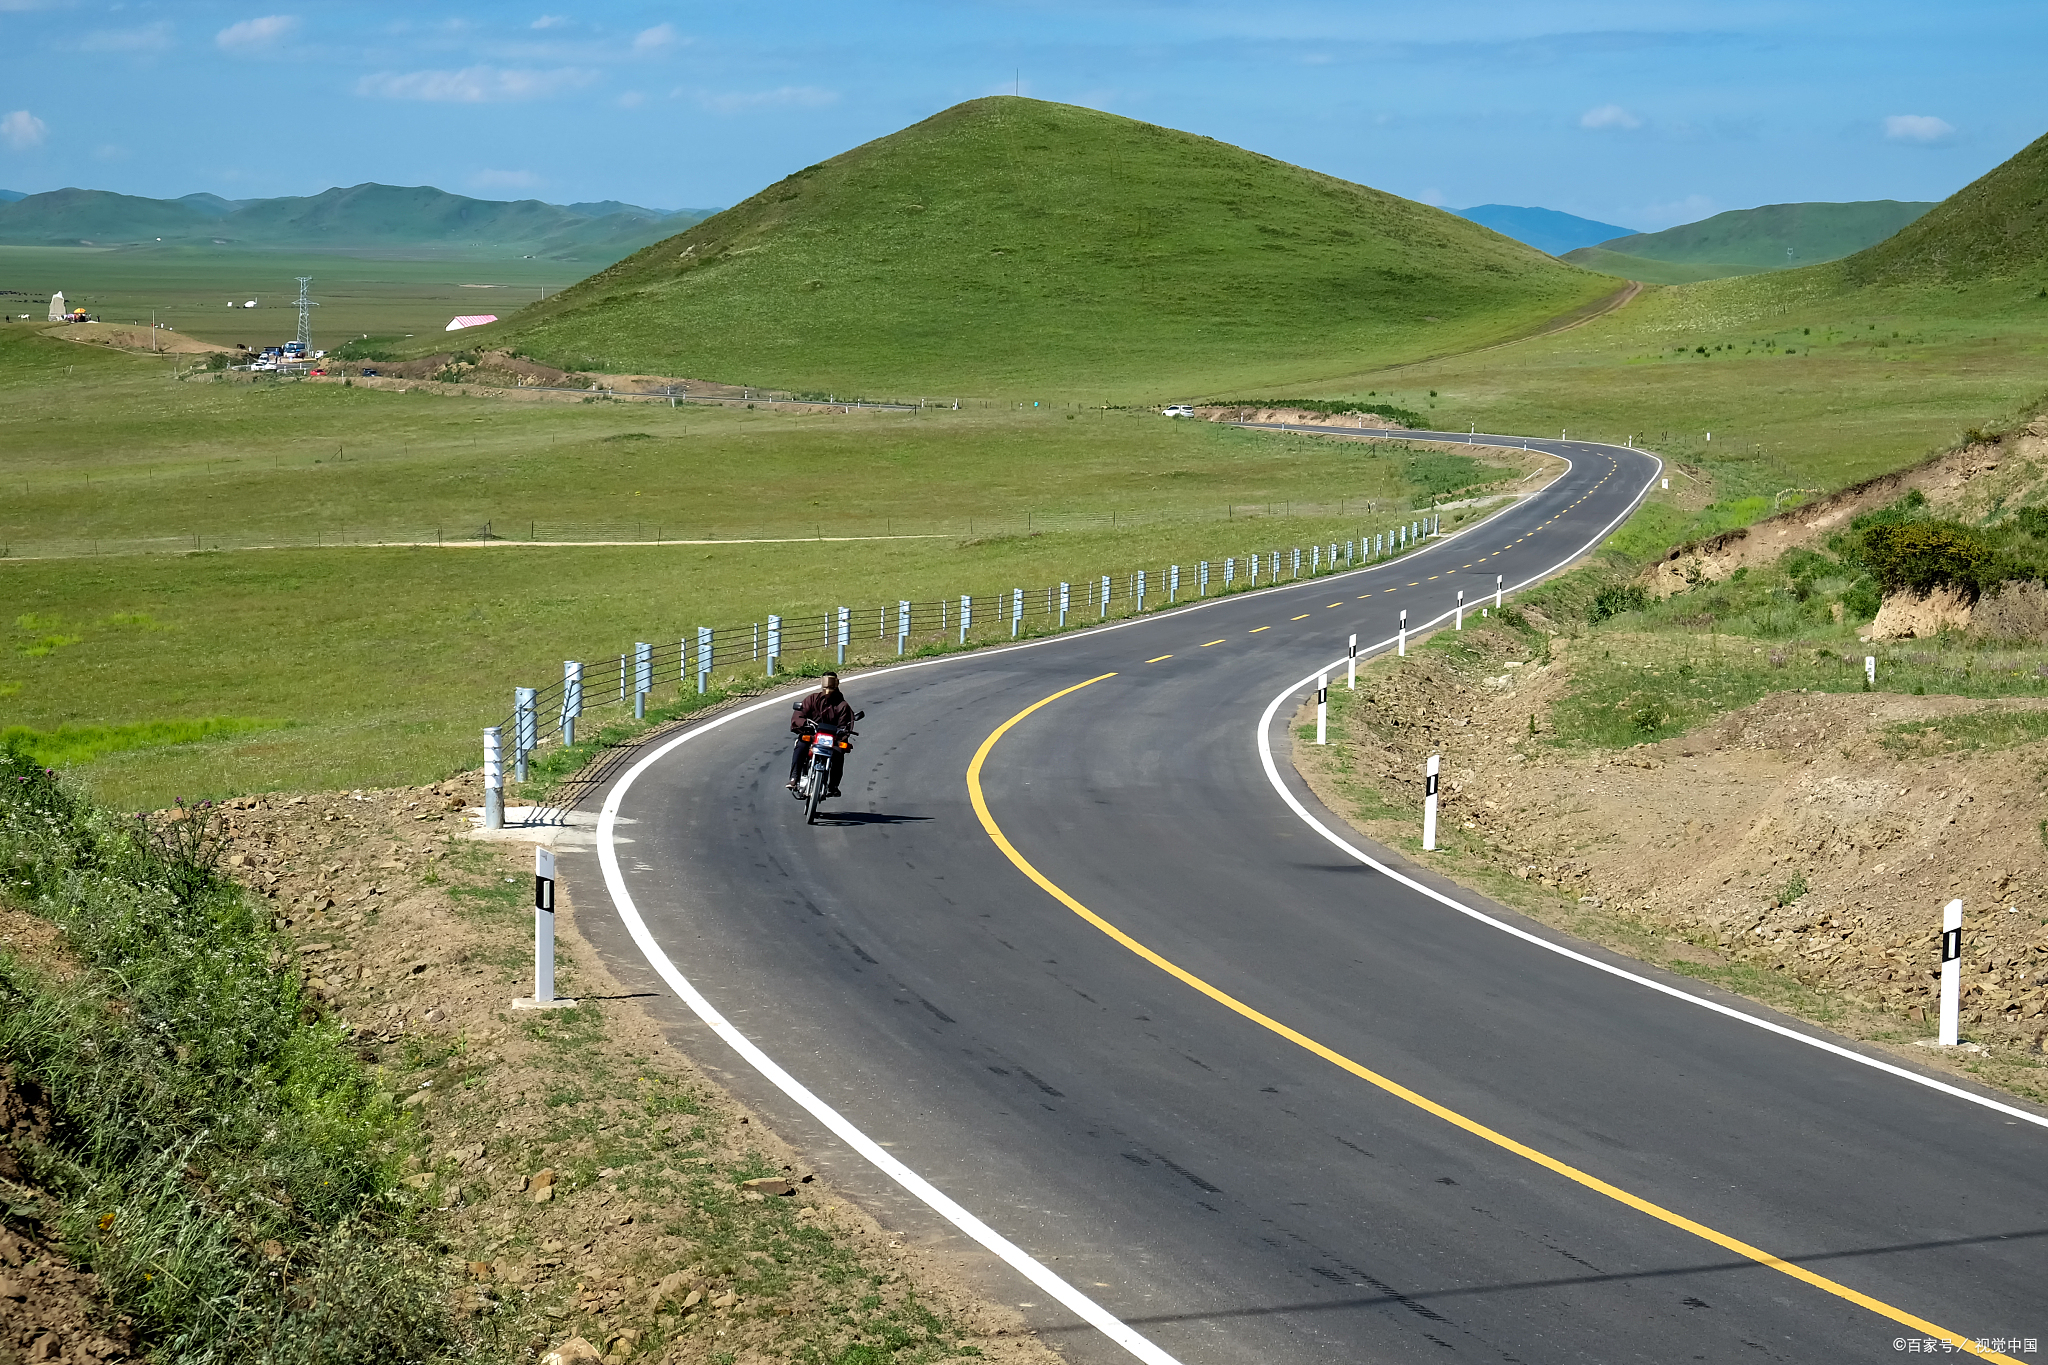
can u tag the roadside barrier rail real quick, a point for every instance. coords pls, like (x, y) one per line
(694, 658)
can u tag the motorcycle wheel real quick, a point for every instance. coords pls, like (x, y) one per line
(814, 795)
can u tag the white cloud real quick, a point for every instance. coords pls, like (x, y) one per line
(1918, 128)
(1610, 116)
(655, 39)
(550, 21)
(784, 97)
(473, 84)
(22, 130)
(256, 35)
(149, 38)
(505, 180)
(632, 99)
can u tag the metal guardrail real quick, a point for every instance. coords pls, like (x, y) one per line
(549, 713)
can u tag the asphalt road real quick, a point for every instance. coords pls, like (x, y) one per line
(1204, 1176)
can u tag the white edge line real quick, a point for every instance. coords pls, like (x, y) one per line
(1265, 748)
(1018, 1259)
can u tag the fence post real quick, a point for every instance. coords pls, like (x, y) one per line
(902, 626)
(1401, 636)
(1351, 667)
(643, 677)
(622, 680)
(774, 642)
(845, 630)
(1951, 969)
(494, 781)
(1429, 805)
(1066, 599)
(966, 615)
(705, 654)
(1105, 597)
(1322, 708)
(572, 699)
(524, 726)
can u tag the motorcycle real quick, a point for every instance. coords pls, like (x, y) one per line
(816, 778)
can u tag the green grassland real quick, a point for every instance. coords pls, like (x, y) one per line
(1747, 241)
(359, 292)
(376, 666)
(1803, 384)
(111, 451)
(1011, 246)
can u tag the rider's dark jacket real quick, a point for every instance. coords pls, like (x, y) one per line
(829, 709)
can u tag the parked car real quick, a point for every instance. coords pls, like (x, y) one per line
(1177, 410)
(369, 372)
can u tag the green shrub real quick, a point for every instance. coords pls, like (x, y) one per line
(1615, 599)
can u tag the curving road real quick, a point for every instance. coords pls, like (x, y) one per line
(1253, 1097)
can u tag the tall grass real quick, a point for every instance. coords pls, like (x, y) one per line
(217, 1152)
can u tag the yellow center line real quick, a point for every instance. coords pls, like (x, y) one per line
(1302, 617)
(1334, 604)
(1212, 642)
(1161, 658)
(1256, 629)
(1392, 1087)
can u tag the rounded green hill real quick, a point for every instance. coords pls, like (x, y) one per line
(1010, 245)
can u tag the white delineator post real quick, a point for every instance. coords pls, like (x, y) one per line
(1461, 610)
(1322, 708)
(845, 630)
(1429, 804)
(1066, 599)
(1016, 611)
(1351, 667)
(1401, 636)
(1951, 969)
(1498, 579)
(966, 615)
(902, 626)
(544, 997)
(494, 781)
(1870, 669)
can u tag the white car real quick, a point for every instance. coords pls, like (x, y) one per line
(1177, 410)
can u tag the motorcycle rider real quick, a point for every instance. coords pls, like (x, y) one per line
(825, 707)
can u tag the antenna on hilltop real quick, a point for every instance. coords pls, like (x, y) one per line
(306, 307)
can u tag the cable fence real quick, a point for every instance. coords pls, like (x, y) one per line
(705, 659)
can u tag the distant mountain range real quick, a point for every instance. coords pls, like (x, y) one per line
(1750, 241)
(368, 215)
(1545, 229)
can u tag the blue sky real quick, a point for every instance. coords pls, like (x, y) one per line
(1643, 114)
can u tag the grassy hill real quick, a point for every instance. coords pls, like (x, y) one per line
(365, 216)
(1995, 227)
(1012, 245)
(1750, 241)
(1545, 229)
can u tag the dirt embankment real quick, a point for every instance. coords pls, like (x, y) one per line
(1965, 482)
(1801, 835)
(589, 1186)
(133, 338)
(1297, 417)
